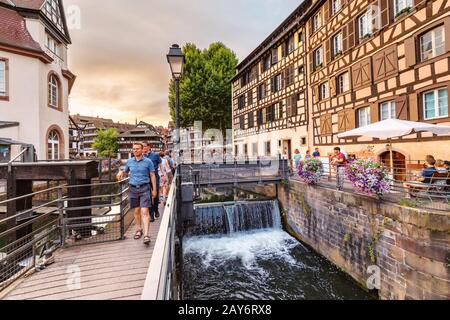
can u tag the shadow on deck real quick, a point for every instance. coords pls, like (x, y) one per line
(105, 271)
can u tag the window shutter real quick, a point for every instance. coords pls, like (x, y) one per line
(447, 33)
(351, 34)
(326, 13)
(402, 107)
(311, 62)
(288, 106)
(328, 51)
(384, 13)
(326, 124)
(316, 93)
(351, 119)
(357, 75)
(413, 107)
(391, 60)
(344, 39)
(410, 52)
(342, 121)
(374, 113)
(332, 86)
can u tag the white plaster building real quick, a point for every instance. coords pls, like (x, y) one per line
(35, 81)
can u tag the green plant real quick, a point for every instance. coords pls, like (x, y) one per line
(346, 238)
(401, 12)
(411, 203)
(106, 143)
(306, 208)
(285, 181)
(372, 253)
(318, 66)
(337, 54)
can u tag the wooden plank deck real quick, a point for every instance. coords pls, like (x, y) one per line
(109, 271)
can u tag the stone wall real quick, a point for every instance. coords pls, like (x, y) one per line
(410, 246)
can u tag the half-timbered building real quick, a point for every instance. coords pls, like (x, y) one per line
(269, 93)
(363, 62)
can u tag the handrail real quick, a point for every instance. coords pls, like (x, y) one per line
(32, 194)
(155, 287)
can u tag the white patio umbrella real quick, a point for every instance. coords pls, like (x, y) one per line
(394, 128)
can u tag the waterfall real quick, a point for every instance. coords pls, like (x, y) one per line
(228, 218)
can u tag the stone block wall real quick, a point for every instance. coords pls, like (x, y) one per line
(410, 246)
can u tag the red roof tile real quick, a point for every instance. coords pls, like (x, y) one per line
(13, 31)
(28, 4)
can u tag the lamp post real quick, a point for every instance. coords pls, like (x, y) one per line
(175, 58)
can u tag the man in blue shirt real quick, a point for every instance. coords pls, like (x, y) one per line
(316, 153)
(424, 178)
(156, 160)
(142, 173)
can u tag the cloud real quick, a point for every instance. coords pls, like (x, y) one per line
(119, 53)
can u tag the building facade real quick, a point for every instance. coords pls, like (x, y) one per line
(362, 62)
(35, 81)
(88, 128)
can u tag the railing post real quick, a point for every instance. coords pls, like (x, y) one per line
(260, 171)
(62, 223)
(122, 214)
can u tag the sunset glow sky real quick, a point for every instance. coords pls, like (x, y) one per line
(119, 53)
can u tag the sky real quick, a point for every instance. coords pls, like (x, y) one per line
(119, 50)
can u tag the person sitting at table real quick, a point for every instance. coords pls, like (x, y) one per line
(440, 166)
(447, 165)
(424, 178)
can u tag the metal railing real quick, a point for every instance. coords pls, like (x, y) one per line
(250, 171)
(404, 189)
(29, 237)
(107, 167)
(160, 282)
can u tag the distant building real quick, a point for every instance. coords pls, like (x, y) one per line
(143, 132)
(76, 139)
(35, 81)
(169, 138)
(88, 127)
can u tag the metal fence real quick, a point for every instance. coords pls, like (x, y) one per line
(250, 171)
(29, 237)
(404, 189)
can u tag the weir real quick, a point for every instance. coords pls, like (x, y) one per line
(227, 218)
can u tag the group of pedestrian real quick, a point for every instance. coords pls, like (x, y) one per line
(298, 156)
(151, 173)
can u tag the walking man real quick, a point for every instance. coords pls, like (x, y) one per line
(338, 161)
(142, 173)
(156, 160)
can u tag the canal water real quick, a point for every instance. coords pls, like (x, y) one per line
(240, 251)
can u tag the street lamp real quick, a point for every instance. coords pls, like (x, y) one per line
(176, 61)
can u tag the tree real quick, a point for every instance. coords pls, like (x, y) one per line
(106, 143)
(205, 89)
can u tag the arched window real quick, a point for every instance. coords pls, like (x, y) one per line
(53, 141)
(53, 92)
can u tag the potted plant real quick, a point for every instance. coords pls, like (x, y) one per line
(310, 171)
(368, 177)
(403, 11)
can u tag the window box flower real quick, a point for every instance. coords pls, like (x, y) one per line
(310, 171)
(368, 177)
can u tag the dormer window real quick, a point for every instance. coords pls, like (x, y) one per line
(51, 10)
